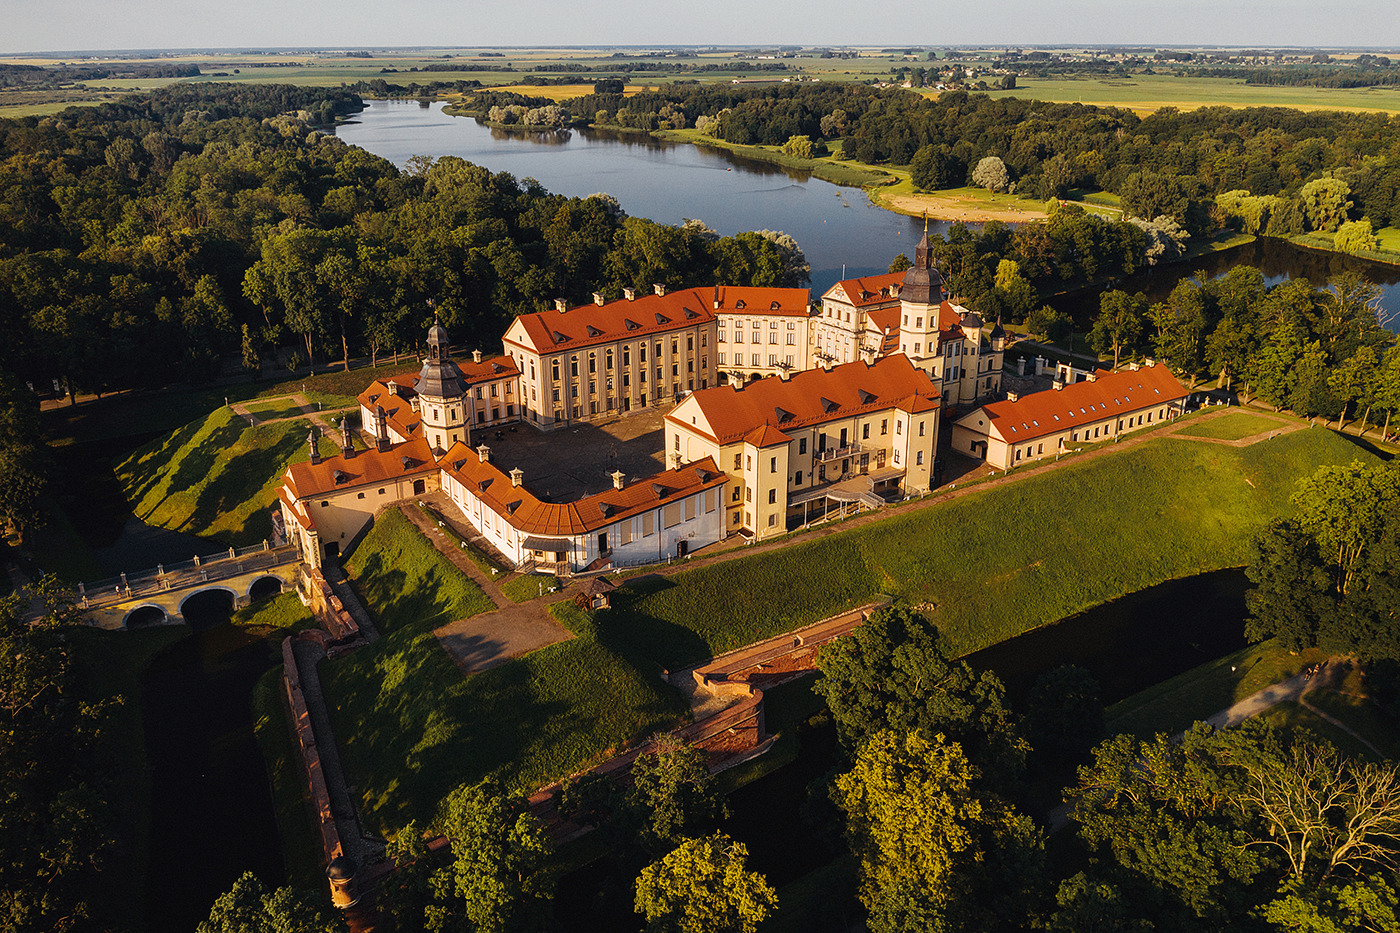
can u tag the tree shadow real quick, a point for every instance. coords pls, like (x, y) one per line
(642, 639)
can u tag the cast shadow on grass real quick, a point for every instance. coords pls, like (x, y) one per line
(643, 640)
(1366, 444)
(196, 465)
(241, 479)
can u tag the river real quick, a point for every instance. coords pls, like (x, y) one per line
(841, 232)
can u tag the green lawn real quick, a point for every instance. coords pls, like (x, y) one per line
(1232, 427)
(1173, 705)
(528, 586)
(404, 581)
(411, 727)
(1146, 93)
(997, 562)
(268, 411)
(277, 617)
(216, 476)
(1291, 715)
(475, 554)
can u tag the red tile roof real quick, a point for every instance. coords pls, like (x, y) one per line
(529, 515)
(1081, 403)
(308, 480)
(497, 367)
(734, 299)
(814, 397)
(591, 324)
(398, 409)
(870, 289)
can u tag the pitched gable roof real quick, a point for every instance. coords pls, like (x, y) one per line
(1081, 403)
(593, 324)
(306, 480)
(735, 299)
(812, 397)
(867, 290)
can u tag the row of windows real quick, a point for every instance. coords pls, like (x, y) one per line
(757, 338)
(756, 359)
(772, 325)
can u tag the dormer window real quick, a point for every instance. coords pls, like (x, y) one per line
(828, 405)
(594, 332)
(630, 324)
(662, 319)
(740, 305)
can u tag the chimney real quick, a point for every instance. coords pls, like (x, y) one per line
(1020, 366)
(1133, 366)
(675, 460)
(736, 380)
(869, 354)
(1093, 375)
(347, 439)
(1058, 384)
(561, 305)
(484, 453)
(629, 293)
(393, 388)
(381, 433)
(598, 298)
(784, 374)
(517, 476)
(1040, 365)
(618, 477)
(716, 297)
(826, 363)
(476, 356)
(659, 289)
(1149, 362)
(1012, 396)
(311, 437)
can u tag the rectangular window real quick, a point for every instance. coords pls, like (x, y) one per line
(748, 493)
(626, 356)
(884, 426)
(738, 461)
(671, 516)
(648, 524)
(792, 340)
(592, 362)
(772, 359)
(641, 352)
(690, 341)
(921, 429)
(772, 464)
(865, 432)
(772, 338)
(772, 520)
(736, 496)
(788, 360)
(721, 358)
(709, 501)
(691, 505)
(919, 458)
(899, 427)
(802, 445)
(797, 478)
(772, 496)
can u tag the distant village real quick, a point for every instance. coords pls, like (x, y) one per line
(776, 411)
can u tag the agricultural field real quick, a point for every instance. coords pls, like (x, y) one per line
(1147, 93)
(217, 476)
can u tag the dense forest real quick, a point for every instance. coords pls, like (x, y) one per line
(1168, 162)
(142, 241)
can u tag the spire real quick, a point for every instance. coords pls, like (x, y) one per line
(315, 450)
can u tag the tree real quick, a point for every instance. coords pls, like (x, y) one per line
(1367, 905)
(990, 173)
(1064, 715)
(500, 877)
(23, 456)
(1048, 324)
(672, 793)
(249, 350)
(1354, 380)
(900, 263)
(1345, 509)
(1291, 597)
(890, 674)
(935, 167)
(799, 147)
(1119, 324)
(1089, 907)
(1325, 203)
(921, 831)
(704, 886)
(1355, 236)
(248, 907)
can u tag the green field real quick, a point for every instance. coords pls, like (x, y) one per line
(1146, 93)
(1232, 427)
(301, 842)
(270, 411)
(997, 562)
(216, 477)
(404, 581)
(411, 727)
(525, 587)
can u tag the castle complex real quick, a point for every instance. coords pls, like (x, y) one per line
(775, 411)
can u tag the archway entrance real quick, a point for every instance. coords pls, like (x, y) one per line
(265, 588)
(205, 610)
(145, 617)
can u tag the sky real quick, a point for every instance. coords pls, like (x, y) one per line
(75, 25)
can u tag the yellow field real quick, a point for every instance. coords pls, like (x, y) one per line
(1147, 93)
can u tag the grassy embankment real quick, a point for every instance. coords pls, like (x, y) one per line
(412, 727)
(1389, 250)
(1234, 426)
(992, 564)
(216, 477)
(827, 168)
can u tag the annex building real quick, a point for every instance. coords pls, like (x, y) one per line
(857, 432)
(1099, 407)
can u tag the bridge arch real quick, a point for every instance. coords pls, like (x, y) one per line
(144, 615)
(264, 587)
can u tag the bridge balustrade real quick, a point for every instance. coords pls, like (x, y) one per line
(163, 578)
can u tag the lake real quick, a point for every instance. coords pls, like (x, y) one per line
(841, 232)
(668, 182)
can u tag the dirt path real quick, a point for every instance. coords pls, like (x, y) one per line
(952, 207)
(317, 415)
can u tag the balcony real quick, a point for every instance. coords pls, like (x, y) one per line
(838, 453)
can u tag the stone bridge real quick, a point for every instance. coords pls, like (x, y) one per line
(109, 604)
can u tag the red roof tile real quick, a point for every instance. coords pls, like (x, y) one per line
(734, 299)
(529, 515)
(814, 397)
(591, 324)
(870, 289)
(307, 480)
(1081, 403)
